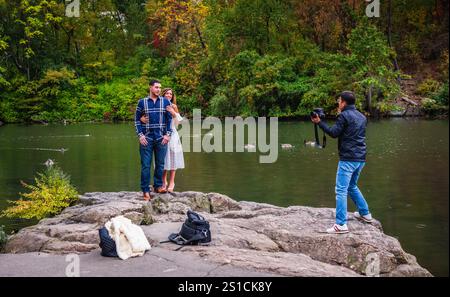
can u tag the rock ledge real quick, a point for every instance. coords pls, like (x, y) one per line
(260, 237)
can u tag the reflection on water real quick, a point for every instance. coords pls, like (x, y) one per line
(405, 180)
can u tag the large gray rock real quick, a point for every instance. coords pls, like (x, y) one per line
(261, 237)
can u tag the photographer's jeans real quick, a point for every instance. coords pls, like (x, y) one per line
(346, 185)
(146, 153)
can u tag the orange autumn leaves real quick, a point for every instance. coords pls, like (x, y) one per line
(180, 24)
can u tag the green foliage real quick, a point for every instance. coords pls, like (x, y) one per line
(241, 68)
(187, 104)
(258, 24)
(3, 46)
(52, 193)
(371, 59)
(121, 97)
(220, 105)
(428, 87)
(102, 68)
(386, 107)
(432, 108)
(242, 57)
(284, 85)
(8, 112)
(441, 95)
(437, 94)
(35, 99)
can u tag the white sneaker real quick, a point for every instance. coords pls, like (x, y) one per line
(338, 229)
(367, 218)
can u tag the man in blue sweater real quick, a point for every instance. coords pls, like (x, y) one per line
(153, 137)
(350, 129)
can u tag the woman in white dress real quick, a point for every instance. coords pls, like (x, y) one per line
(174, 157)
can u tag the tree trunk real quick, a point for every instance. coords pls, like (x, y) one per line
(389, 29)
(77, 54)
(16, 61)
(28, 70)
(69, 40)
(369, 101)
(268, 33)
(200, 36)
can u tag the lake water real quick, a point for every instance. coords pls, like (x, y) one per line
(405, 180)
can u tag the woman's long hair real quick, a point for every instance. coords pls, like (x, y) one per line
(174, 98)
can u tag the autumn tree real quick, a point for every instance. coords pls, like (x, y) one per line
(178, 32)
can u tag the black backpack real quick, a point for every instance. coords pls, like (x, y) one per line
(107, 244)
(194, 231)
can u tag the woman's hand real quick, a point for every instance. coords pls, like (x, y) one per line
(144, 119)
(166, 139)
(171, 110)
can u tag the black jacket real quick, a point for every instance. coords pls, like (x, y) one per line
(350, 128)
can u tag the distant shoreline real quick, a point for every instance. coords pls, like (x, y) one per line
(281, 119)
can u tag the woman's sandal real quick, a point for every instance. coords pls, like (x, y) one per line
(170, 190)
(161, 190)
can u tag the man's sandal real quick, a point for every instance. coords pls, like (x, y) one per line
(147, 197)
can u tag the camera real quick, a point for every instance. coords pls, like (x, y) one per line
(318, 112)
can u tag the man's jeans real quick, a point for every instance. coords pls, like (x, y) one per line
(146, 152)
(346, 180)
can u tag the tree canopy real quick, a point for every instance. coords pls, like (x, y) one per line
(229, 57)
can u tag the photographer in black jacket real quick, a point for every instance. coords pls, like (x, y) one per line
(350, 129)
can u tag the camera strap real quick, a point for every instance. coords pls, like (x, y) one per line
(316, 135)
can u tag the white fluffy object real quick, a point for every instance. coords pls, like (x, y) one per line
(130, 239)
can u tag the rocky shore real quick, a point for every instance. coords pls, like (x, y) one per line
(246, 235)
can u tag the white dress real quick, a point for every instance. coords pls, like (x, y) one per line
(174, 157)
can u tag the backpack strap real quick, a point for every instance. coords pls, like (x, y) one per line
(196, 237)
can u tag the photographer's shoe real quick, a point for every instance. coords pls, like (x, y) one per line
(338, 229)
(367, 218)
